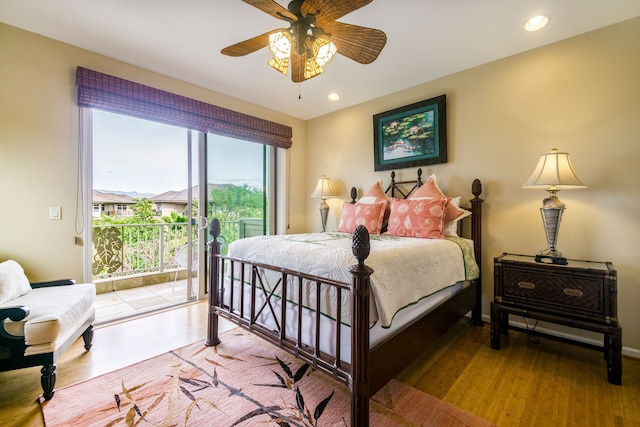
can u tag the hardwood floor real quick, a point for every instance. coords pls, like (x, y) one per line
(548, 383)
(524, 384)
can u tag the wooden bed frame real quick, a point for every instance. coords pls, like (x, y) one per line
(371, 368)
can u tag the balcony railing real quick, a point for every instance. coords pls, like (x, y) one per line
(130, 249)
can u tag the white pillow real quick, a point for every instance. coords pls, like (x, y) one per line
(13, 282)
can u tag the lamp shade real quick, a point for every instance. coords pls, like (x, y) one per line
(554, 172)
(323, 188)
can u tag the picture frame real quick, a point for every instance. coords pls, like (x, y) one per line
(411, 136)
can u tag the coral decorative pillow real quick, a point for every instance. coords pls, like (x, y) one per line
(430, 190)
(417, 218)
(13, 282)
(368, 214)
(376, 194)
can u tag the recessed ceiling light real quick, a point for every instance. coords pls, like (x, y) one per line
(536, 23)
(333, 96)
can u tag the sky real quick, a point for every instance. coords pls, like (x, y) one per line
(133, 155)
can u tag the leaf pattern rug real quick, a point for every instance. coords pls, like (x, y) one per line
(244, 381)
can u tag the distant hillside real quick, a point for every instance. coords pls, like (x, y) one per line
(132, 194)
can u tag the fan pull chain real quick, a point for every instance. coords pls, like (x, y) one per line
(299, 92)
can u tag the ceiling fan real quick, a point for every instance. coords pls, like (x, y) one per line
(313, 36)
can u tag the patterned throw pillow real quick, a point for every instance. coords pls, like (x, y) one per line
(417, 218)
(430, 190)
(368, 214)
(376, 194)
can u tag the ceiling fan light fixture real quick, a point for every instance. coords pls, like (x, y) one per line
(313, 37)
(280, 45)
(324, 51)
(281, 65)
(312, 69)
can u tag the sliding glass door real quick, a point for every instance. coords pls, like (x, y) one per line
(239, 187)
(144, 226)
(152, 191)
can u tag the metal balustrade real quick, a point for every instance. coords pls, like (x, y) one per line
(121, 250)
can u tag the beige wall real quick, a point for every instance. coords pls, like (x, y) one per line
(39, 142)
(581, 95)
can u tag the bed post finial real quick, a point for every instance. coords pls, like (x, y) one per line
(476, 187)
(361, 245)
(354, 195)
(214, 229)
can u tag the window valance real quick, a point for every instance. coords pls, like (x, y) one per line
(102, 91)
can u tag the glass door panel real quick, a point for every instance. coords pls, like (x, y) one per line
(145, 206)
(237, 187)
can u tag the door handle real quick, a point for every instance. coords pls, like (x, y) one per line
(204, 222)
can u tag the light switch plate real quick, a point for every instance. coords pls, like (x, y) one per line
(55, 212)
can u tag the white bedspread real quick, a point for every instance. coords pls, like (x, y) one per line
(405, 269)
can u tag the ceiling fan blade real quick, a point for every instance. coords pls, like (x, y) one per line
(250, 45)
(329, 10)
(273, 9)
(360, 44)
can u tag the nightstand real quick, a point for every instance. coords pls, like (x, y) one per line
(581, 294)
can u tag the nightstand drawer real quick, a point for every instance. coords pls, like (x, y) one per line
(557, 291)
(582, 290)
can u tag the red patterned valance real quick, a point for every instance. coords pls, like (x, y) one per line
(105, 92)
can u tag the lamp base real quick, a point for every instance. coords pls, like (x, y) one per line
(551, 212)
(550, 259)
(551, 253)
(324, 213)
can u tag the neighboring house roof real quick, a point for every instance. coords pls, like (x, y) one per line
(104, 197)
(175, 196)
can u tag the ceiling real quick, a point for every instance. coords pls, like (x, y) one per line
(426, 39)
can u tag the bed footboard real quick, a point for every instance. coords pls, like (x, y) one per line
(276, 304)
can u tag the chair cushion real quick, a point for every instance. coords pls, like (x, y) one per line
(13, 282)
(55, 313)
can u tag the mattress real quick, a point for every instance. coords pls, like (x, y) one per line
(405, 269)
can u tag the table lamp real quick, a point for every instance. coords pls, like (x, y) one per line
(324, 190)
(553, 173)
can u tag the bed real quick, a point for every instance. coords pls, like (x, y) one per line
(333, 313)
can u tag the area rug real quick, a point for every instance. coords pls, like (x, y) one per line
(243, 381)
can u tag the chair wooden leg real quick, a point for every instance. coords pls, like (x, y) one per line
(48, 381)
(87, 336)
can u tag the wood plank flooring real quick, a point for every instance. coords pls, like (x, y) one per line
(524, 384)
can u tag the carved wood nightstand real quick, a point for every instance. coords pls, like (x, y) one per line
(581, 294)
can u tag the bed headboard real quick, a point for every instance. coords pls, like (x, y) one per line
(404, 189)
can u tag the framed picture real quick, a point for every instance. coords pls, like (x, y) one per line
(410, 136)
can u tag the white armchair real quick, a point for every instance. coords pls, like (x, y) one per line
(39, 321)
